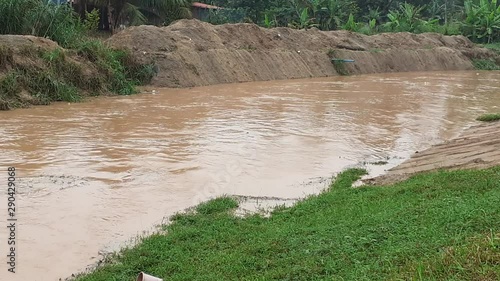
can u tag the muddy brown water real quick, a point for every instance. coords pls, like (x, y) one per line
(92, 175)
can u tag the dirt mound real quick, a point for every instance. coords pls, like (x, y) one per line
(477, 147)
(194, 53)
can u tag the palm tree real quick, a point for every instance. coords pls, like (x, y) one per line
(136, 12)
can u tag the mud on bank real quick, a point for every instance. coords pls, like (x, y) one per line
(477, 148)
(193, 53)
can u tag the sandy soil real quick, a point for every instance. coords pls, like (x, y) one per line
(194, 53)
(477, 147)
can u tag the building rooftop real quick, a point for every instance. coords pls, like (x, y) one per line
(204, 6)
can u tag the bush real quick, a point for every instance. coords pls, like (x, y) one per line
(121, 72)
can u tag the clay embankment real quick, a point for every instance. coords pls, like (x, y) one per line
(478, 147)
(193, 53)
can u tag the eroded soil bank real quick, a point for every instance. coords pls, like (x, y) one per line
(193, 53)
(477, 147)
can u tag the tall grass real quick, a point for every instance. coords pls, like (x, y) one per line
(36, 17)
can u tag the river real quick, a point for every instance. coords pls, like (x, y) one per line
(93, 175)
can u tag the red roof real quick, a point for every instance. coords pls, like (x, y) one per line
(204, 6)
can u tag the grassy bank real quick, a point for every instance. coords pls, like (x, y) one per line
(31, 75)
(34, 72)
(435, 226)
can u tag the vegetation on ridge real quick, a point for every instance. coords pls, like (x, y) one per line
(477, 19)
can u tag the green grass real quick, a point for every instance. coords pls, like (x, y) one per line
(485, 64)
(488, 64)
(489, 117)
(436, 226)
(41, 18)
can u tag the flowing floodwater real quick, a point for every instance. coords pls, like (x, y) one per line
(92, 175)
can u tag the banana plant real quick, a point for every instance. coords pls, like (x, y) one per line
(351, 24)
(482, 22)
(305, 21)
(268, 23)
(406, 18)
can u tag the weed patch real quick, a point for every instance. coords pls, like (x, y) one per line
(118, 67)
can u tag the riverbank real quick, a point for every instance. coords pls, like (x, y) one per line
(37, 71)
(433, 226)
(478, 147)
(192, 53)
(437, 225)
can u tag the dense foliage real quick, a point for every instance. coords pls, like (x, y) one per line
(477, 19)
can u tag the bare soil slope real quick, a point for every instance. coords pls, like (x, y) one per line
(477, 147)
(194, 53)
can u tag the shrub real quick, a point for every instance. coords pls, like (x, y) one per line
(120, 69)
